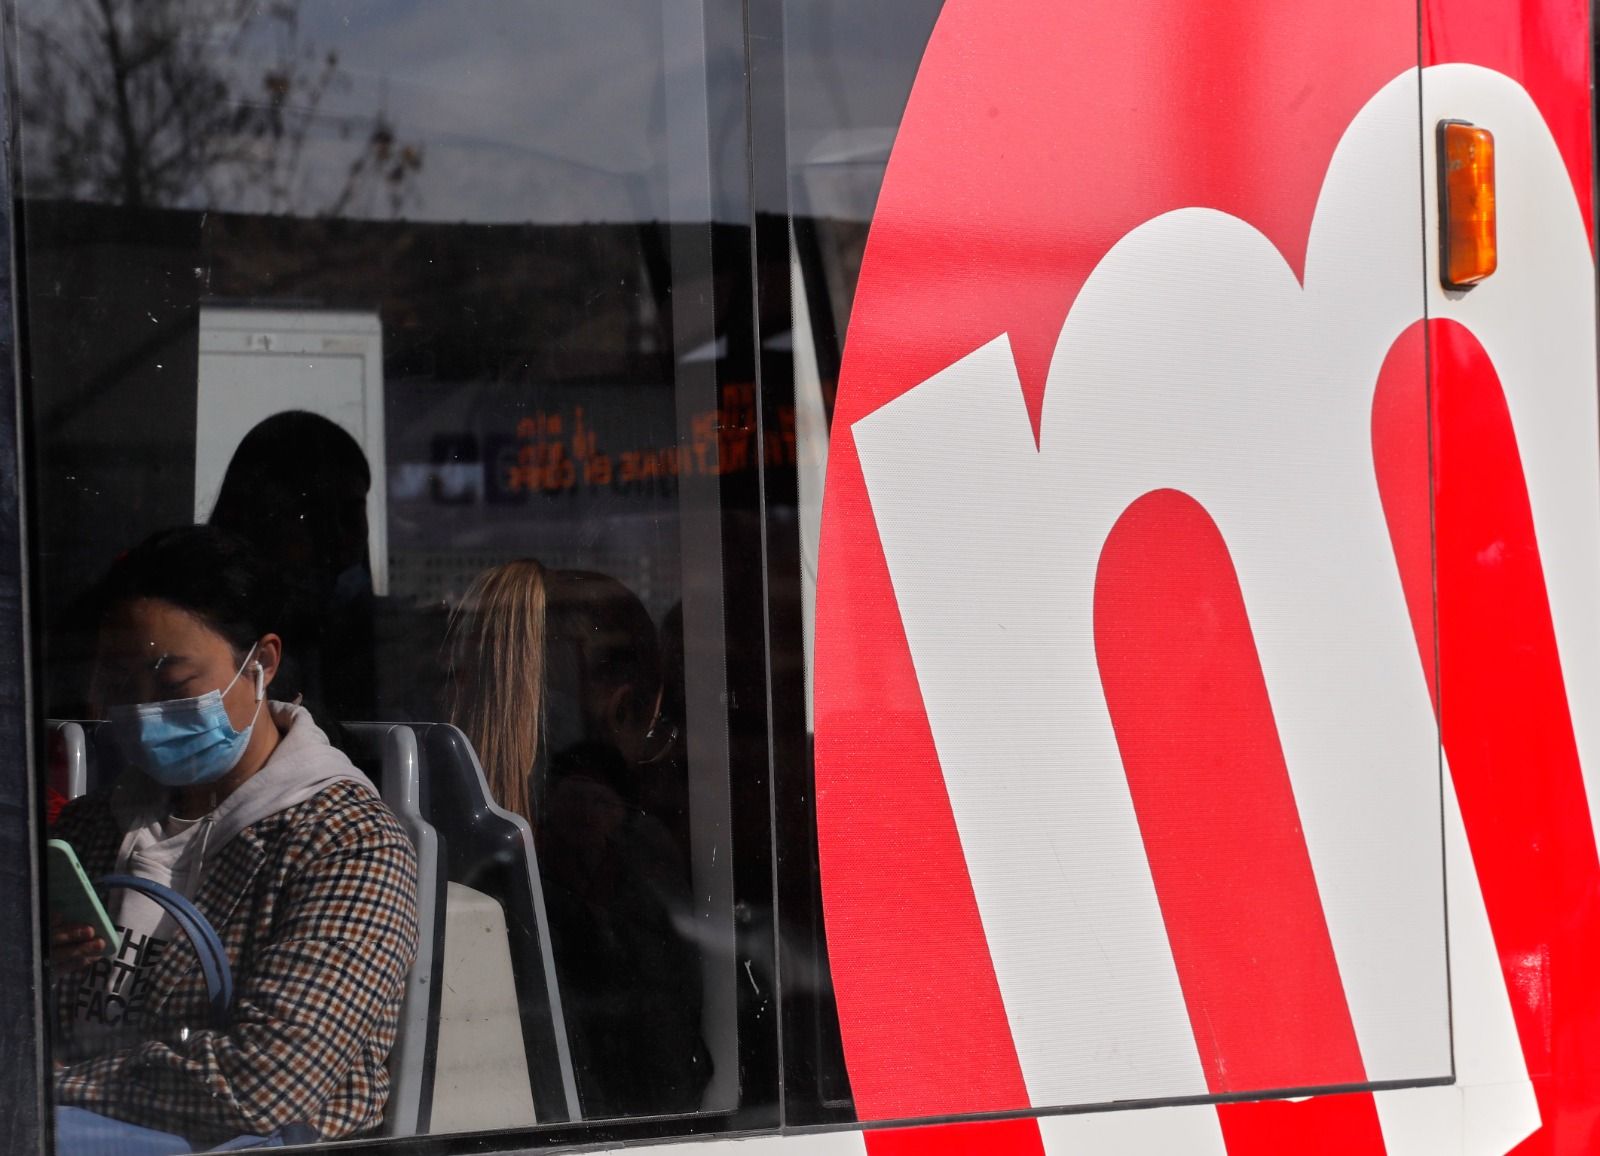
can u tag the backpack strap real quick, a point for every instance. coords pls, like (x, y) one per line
(207, 943)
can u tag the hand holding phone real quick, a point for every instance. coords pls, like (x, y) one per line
(80, 930)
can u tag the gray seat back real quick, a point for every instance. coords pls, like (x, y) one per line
(388, 751)
(491, 850)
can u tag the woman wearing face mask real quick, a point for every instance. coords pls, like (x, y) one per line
(240, 804)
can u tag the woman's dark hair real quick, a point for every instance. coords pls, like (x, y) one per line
(214, 575)
(285, 483)
(292, 454)
(297, 490)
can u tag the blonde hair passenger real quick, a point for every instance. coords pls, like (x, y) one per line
(494, 650)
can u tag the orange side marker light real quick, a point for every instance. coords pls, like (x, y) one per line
(1467, 252)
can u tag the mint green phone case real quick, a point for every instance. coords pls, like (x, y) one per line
(73, 898)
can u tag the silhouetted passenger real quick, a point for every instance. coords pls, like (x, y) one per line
(296, 489)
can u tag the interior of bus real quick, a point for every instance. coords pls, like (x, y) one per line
(412, 294)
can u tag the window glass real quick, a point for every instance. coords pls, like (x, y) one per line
(424, 311)
(847, 72)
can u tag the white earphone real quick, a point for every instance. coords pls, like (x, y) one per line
(261, 681)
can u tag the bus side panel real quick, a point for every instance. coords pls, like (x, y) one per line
(1514, 430)
(1187, 146)
(1542, 48)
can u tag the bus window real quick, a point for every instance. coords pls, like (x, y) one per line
(847, 71)
(439, 311)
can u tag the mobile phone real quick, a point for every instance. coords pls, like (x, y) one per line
(73, 898)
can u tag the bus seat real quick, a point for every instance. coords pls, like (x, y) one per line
(481, 1068)
(491, 850)
(388, 753)
(68, 754)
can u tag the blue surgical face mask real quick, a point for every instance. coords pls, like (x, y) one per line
(184, 741)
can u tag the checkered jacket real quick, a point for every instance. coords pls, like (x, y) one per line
(316, 906)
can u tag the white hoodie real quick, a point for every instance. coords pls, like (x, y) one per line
(158, 846)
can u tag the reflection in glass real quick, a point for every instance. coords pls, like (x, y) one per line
(404, 293)
(847, 72)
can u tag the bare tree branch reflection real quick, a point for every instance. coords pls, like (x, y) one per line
(200, 104)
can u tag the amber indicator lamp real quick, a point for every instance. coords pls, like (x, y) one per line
(1467, 251)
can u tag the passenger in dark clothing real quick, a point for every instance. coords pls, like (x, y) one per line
(615, 883)
(296, 489)
(663, 774)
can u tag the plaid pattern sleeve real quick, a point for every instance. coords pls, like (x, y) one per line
(317, 909)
